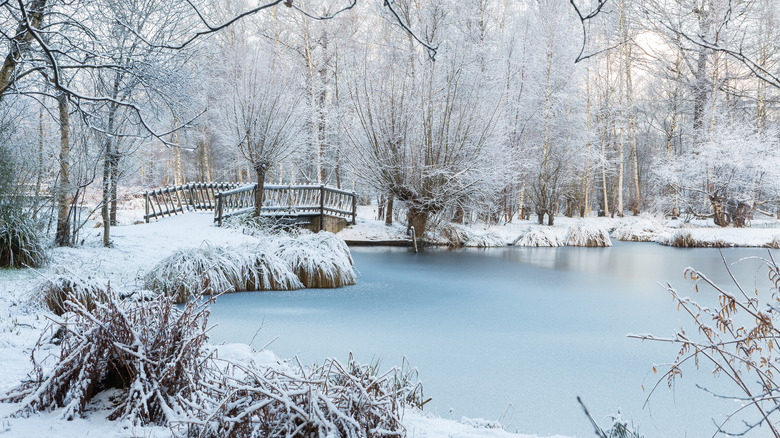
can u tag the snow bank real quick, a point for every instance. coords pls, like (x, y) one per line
(587, 234)
(538, 236)
(461, 235)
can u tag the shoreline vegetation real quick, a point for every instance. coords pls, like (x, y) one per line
(183, 257)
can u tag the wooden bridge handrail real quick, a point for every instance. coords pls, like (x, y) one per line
(226, 199)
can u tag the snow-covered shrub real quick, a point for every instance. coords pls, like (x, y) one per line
(538, 236)
(320, 260)
(460, 235)
(332, 400)
(189, 273)
(149, 350)
(72, 286)
(215, 269)
(584, 234)
(641, 230)
(264, 270)
(455, 235)
(20, 239)
(153, 354)
(774, 243)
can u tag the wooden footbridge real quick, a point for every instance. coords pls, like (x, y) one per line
(315, 207)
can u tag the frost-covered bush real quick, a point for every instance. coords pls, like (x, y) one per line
(774, 243)
(684, 239)
(153, 353)
(189, 273)
(264, 270)
(150, 350)
(214, 269)
(72, 286)
(538, 236)
(641, 230)
(460, 235)
(21, 243)
(332, 400)
(584, 234)
(320, 260)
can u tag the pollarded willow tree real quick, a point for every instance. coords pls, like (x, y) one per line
(426, 140)
(261, 111)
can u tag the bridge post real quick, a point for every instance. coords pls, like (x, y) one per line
(146, 207)
(322, 207)
(218, 210)
(354, 208)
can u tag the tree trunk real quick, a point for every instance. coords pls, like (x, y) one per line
(20, 44)
(458, 218)
(389, 210)
(114, 184)
(418, 219)
(261, 167)
(62, 236)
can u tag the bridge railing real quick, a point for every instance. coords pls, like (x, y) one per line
(177, 199)
(281, 200)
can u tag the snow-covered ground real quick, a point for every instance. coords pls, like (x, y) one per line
(137, 249)
(762, 231)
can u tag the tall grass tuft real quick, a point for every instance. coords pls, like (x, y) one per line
(267, 271)
(189, 273)
(320, 260)
(584, 234)
(538, 237)
(21, 243)
(69, 285)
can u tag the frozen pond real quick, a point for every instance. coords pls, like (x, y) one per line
(513, 334)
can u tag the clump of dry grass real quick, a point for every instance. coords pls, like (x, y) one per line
(538, 237)
(150, 350)
(684, 239)
(266, 271)
(644, 229)
(584, 234)
(774, 243)
(460, 235)
(320, 260)
(153, 353)
(189, 273)
(21, 244)
(352, 401)
(68, 285)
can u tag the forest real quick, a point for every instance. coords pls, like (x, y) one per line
(437, 111)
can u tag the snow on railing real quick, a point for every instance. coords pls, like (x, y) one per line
(287, 200)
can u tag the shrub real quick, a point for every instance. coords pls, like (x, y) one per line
(538, 236)
(68, 285)
(150, 350)
(459, 235)
(642, 230)
(737, 336)
(153, 352)
(21, 243)
(214, 270)
(189, 273)
(583, 234)
(320, 260)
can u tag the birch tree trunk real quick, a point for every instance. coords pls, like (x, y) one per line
(62, 236)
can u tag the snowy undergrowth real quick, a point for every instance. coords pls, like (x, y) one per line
(67, 284)
(587, 234)
(461, 235)
(319, 260)
(151, 359)
(644, 229)
(538, 237)
(21, 242)
(282, 263)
